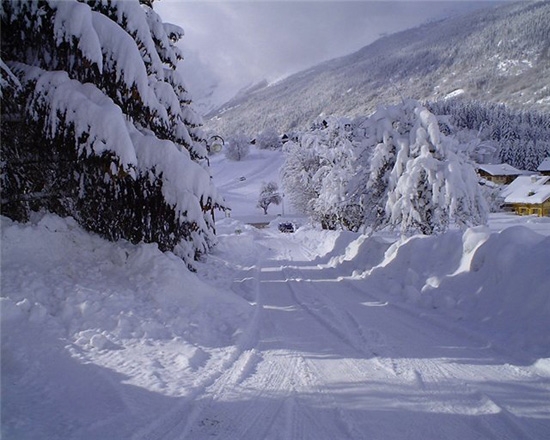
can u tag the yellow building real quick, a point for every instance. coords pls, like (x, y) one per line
(529, 195)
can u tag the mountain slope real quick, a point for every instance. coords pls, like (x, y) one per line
(500, 54)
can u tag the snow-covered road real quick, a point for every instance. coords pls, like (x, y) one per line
(326, 356)
(312, 335)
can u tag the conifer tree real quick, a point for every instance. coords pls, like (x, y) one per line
(521, 138)
(97, 123)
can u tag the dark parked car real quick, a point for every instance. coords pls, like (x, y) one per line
(286, 227)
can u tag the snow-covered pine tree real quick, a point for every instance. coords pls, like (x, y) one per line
(415, 181)
(269, 193)
(521, 139)
(102, 127)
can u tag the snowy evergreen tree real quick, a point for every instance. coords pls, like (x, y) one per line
(415, 181)
(269, 194)
(97, 123)
(237, 147)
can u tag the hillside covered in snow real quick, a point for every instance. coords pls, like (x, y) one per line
(497, 55)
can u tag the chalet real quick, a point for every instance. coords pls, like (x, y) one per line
(501, 173)
(544, 167)
(529, 195)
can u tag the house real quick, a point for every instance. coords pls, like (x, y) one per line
(501, 173)
(529, 195)
(544, 167)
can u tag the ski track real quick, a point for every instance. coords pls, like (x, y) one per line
(177, 423)
(278, 384)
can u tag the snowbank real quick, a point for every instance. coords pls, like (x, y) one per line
(54, 273)
(497, 283)
(81, 316)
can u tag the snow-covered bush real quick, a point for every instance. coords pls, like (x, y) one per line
(394, 168)
(317, 171)
(237, 147)
(269, 194)
(269, 139)
(297, 172)
(103, 129)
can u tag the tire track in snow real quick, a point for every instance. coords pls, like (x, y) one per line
(345, 327)
(344, 422)
(251, 374)
(496, 419)
(351, 337)
(275, 382)
(325, 322)
(444, 375)
(166, 426)
(236, 372)
(439, 322)
(267, 394)
(268, 416)
(237, 360)
(259, 408)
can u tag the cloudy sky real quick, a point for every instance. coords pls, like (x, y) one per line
(232, 44)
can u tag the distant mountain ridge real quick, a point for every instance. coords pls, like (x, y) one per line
(500, 54)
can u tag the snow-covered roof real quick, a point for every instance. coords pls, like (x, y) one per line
(522, 181)
(545, 165)
(500, 169)
(528, 189)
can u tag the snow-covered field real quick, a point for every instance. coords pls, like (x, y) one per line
(316, 334)
(240, 183)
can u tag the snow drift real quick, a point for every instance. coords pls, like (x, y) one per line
(53, 272)
(73, 303)
(495, 283)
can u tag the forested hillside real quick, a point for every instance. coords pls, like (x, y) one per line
(498, 55)
(498, 132)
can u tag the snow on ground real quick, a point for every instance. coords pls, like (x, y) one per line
(80, 313)
(240, 183)
(316, 334)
